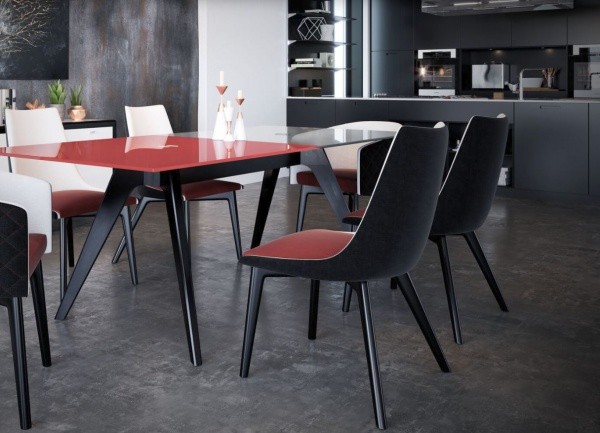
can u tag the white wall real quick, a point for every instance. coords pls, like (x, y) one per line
(247, 40)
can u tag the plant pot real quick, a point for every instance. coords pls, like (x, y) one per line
(77, 112)
(60, 108)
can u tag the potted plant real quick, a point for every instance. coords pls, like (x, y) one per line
(76, 112)
(58, 94)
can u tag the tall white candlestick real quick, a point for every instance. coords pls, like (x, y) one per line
(240, 95)
(221, 78)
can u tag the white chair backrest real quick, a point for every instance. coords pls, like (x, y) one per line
(41, 126)
(149, 120)
(345, 157)
(35, 196)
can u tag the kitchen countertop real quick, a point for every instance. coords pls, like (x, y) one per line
(459, 99)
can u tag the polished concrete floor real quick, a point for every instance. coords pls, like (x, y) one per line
(120, 361)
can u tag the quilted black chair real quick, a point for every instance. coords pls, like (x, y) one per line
(389, 241)
(465, 201)
(23, 242)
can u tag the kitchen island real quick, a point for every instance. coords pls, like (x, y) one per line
(553, 150)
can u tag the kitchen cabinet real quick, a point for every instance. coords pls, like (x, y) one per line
(551, 147)
(584, 28)
(360, 110)
(485, 31)
(318, 113)
(391, 25)
(392, 73)
(420, 110)
(432, 31)
(594, 165)
(539, 29)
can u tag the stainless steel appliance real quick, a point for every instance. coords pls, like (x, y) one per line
(492, 76)
(584, 68)
(436, 72)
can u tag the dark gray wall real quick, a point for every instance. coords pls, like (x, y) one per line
(130, 52)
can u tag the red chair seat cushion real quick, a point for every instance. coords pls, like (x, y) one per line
(75, 202)
(307, 245)
(37, 246)
(345, 177)
(355, 217)
(198, 190)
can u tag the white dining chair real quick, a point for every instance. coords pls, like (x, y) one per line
(154, 120)
(71, 195)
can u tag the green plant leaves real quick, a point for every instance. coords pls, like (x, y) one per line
(76, 95)
(57, 92)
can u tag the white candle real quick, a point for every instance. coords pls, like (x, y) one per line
(240, 95)
(221, 78)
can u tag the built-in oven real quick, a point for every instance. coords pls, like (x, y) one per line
(436, 72)
(584, 70)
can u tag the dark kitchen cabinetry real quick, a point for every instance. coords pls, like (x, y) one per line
(539, 29)
(433, 31)
(361, 110)
(594, 165)
(392, 73)
(420, 110)
(391, 25)
(584, 26)
(551, 147)
(485, 31)
(319, 113)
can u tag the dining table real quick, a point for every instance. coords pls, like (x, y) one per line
(168, 161)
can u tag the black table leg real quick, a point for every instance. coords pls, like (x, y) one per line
(183, 263)
(266, 196)
(121, 184)
(319, 164)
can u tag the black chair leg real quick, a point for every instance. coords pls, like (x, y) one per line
(41, 318)
(447, 272)
(70, 241)
(257, 277)
(475, 247)
(412, 299)
(128, 234)
(347, 298)
(364, 303)
(137, 214)
(17, 334)
(301, 208)
(64, 248)
(235, 222)
(314, 309)
(186, 211)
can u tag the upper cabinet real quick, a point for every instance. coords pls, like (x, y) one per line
(584, 26)
(539, 29)
(485, 31)
(391, 25)
(433, 31)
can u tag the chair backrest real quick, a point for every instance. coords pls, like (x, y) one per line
(25, 207)
(41, 126)
(393, 232)
(148, 120)
(468, 191)
(346, 157)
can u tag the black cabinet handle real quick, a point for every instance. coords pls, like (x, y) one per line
(546, 107)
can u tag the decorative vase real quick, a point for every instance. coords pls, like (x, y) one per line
(77, 112)
(60, 108)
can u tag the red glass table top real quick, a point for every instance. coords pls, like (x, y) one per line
(155, 153)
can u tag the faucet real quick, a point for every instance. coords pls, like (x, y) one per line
(521, 80)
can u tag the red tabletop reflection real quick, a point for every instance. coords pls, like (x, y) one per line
(155, 153)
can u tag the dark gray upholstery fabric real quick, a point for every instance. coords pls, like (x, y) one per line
(13, 251)
(393, 233)
(469, 189)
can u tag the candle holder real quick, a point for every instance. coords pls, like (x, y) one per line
(228, 111)
(220, 129)
(239, 132)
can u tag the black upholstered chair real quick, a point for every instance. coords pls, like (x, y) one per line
(25, 229)
(465, 201)
(388, 242)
